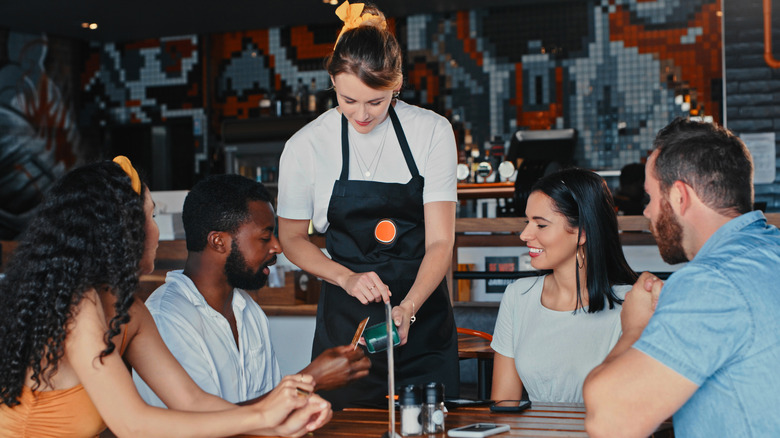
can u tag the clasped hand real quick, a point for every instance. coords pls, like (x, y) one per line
(293, 407)
(640, 303)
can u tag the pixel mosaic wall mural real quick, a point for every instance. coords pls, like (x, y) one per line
(614, 70)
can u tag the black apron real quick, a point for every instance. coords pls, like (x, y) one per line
(356, 209)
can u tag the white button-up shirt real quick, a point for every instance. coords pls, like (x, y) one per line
(201, 340)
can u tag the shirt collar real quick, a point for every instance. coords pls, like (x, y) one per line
(730, 227)
(195, 297)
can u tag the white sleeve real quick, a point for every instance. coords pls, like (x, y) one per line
(503, 334)
(441, 165)
(296, 179)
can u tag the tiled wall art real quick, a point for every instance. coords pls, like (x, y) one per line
(752, 86)
(143, 82)
(614, 70)
(39, 136)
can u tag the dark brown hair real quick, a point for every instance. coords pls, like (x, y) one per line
(709, 158)
(370, 51)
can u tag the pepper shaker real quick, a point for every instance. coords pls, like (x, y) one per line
(433, 408)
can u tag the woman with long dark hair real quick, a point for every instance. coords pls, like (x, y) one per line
(68, 318)
(553, 329)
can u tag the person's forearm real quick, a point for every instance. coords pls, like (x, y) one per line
(433, 268)
(596, 390)
(625, 342)
(304, 254)
(158, 422)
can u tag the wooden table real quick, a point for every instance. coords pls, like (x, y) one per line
(543, 419)
(474, 347)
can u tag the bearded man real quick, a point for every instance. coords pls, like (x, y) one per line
(216, 331)
(705, 346)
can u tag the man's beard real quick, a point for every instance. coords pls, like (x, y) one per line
(239, 275)
(668, 235)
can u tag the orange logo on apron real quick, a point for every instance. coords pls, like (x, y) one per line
(385, 231)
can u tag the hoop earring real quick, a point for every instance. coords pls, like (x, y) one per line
(577, 255)
(396, 94)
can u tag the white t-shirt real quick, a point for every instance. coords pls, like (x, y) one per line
(554, 351)
(201, 340)
(311, 160)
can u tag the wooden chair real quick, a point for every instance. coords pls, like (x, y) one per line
(477, 333)
(475, 344)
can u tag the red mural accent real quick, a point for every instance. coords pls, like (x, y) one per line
(303, 41)
(224, 47)
(194, 89)
(177, 50)
(699, 63)
(421, 77)
(143, 44)
(91, 67)
(469, 44)
(537, 119)
(518, 100)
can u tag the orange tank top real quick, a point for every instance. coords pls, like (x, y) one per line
(58, 413)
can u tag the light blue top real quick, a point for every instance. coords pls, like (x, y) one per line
(717, 323)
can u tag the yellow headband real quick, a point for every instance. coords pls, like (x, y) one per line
(350, 14)
(125, 164)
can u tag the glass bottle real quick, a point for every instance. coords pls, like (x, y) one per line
(410, 400)
(433, 408)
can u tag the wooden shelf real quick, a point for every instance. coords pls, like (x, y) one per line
(486, 190)
(469, 232)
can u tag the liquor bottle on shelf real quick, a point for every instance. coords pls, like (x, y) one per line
(312, 102)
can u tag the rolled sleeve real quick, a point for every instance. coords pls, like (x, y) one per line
(695, 330)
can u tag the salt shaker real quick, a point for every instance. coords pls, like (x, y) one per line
(433, 408)
(410, 400)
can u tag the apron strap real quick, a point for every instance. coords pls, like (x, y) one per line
(399, 132)
(344, 148)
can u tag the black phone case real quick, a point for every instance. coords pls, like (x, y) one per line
(523, 405)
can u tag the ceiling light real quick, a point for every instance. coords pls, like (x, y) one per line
(93, 26)
(90, 26)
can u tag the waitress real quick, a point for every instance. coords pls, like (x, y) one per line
(377, 176)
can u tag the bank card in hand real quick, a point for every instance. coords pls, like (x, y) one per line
(359, 332)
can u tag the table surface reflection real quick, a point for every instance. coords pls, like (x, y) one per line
(542, 419)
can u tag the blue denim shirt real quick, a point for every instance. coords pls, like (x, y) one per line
(717, 323)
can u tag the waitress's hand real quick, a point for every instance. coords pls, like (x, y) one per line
(402, 317)
(367, 287)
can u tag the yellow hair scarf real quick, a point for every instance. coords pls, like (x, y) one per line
(125, 164)
(351, 15)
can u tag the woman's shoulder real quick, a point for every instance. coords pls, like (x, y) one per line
(415, 114)
(621, 290)
(524, 286)
(326, 124)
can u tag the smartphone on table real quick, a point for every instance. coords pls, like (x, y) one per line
(478, 430)
(508, 406)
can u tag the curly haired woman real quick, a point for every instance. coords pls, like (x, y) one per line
(68, 318)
